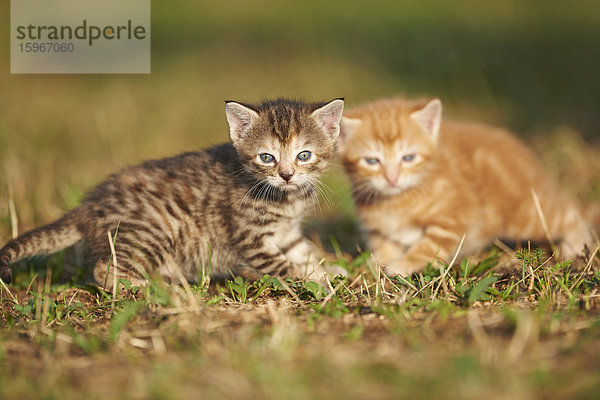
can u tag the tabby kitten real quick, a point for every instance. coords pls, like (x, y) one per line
(236, 207)
(420, 184)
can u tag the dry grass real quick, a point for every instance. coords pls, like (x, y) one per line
(483, 333)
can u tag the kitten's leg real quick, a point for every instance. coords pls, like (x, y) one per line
(138, 257)
(303, 253)
(436, 243)
(388, 253)
(575, 233)
(568, 227)
(247, 272)
(576, 242)
(104, 274)
(265, 257)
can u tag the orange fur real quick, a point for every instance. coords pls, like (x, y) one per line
(469, 179)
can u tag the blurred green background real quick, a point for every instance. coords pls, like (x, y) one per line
(532, 66)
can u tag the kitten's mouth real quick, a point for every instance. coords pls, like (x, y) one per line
(391, 190)
(287, 186)
(399, 186)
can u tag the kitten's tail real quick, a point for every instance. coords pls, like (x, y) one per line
(43, 240)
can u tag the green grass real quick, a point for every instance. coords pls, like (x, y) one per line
(475, 330)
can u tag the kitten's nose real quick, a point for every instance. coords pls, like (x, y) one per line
(391, 174)
(286, 175)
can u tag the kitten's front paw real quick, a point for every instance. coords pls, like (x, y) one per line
(317, 273)
(567, 251)
(335, 270)
(401, 269)
(5, 272)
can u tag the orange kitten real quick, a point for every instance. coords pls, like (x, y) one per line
(420, 184)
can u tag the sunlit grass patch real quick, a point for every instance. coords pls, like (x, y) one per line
(473, 329)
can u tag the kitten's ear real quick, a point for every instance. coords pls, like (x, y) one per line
(347, 128)
(239, 118)
(329, 116)
(429, 118)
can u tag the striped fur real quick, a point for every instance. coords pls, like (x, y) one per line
(220, 209)
(464, 178)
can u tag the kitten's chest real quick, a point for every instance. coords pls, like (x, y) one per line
(403, 234)
(286, 223)
(290, 210)
(277, 218)
(407, 235)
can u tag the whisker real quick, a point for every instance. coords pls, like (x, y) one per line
(319, 190)
(251, 190)
(364, 191)
(324, 194)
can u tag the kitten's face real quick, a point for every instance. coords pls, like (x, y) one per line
(289, 163)
(388, 148)
(286, 144)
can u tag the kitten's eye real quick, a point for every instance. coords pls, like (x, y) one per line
(372, 160)
(266, 158)
(409, 157)
(304, 156)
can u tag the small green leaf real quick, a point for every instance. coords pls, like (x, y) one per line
(485, 265)
(159, 295)
(361, 259)
(480, 289)
(126, 284)
(120, 319)
(461, 289)
(214, 300)
(317, 291)
(23, 309)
